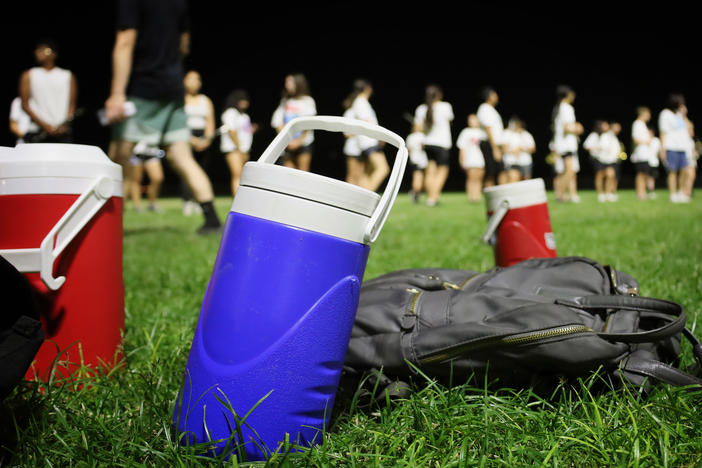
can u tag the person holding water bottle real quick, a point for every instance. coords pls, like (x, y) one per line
(295, 102)
(147, 70)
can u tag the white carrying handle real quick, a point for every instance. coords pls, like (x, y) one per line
(66, 229)
(356, 127)
(495, 220)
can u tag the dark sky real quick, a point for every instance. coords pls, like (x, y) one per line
(615, 59)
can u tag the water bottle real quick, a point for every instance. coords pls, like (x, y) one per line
(270, 343)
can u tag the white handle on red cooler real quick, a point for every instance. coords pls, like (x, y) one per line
(356, 127)
(64, 231)
(495, 220)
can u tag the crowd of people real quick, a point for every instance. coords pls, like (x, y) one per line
(157, 111)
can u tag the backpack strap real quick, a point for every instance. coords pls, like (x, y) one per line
(658, 307)
(660, 371)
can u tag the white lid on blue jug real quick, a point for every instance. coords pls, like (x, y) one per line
(56, 168)
(315, 202)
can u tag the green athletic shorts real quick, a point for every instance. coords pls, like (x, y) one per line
(152, 120)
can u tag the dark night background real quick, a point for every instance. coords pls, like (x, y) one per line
(615, 57)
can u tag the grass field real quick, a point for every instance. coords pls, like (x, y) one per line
(123, 420)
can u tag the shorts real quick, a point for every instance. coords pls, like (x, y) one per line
(154, 123)
(368, 151)
(598, 165)
(675, 160)
(492, 167)
(438, 154)
(643, 167)
(297, 152)
(524, 170)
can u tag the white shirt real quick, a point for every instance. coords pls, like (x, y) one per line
(642, 150)
(241, 124)
(362, 110)
(655, 148)
(610, 147)
(290, 108)
(564, 142)
(49, 95)
(593, 145)
(17, 114)
(197, 113)
(490, 118)
(469, 142)
(673, 126)
(351, 147)
(440, 132)
(415, 149)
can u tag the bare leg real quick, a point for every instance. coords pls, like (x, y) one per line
(180, 156)
(236, 161)
(135, 185)
(379, 170)
(154, 170)
(120, 151)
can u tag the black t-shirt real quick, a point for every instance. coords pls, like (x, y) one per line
(157, 67)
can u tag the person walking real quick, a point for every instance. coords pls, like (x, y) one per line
(295, 102)
(147, 70)
(49, 94)
(434, 116)
(370, 168)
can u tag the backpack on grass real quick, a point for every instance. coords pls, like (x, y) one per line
(537, 323)
(21, 334)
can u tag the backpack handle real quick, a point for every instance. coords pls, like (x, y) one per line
(643, 304)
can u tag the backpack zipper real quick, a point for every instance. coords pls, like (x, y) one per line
(510, 340)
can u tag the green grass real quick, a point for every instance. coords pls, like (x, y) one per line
(124, 418)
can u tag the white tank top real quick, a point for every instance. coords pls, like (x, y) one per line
(197, 112)
(50, 93)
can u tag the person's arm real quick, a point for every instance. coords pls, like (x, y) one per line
(122, 56)
(184, 43)
(496, 151)
(73, 98)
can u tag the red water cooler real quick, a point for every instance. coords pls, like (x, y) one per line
(61, 218)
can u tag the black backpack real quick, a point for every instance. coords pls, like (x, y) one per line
(537, 323)
(21, 334)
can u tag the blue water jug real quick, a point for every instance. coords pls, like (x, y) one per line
(270, 343)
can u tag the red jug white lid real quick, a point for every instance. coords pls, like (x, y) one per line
(55, 168)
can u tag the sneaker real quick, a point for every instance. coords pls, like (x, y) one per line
(601, 197)
(432, 202)
(612, 197)
(414, 196)
(652, 196)
(675, 197)
(187, 208)
(139, 209)
(575, 199)
(155, 208)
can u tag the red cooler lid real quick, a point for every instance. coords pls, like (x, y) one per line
(55, 168)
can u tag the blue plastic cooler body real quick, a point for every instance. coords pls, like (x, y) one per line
(272, 334)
